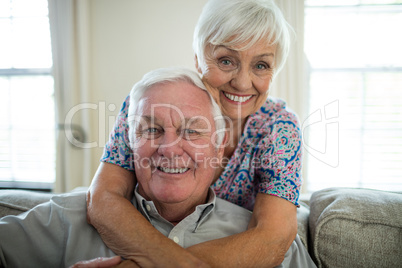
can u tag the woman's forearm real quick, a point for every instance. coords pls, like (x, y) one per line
(124, 229)
(271, 231)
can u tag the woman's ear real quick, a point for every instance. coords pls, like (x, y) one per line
(196, 64)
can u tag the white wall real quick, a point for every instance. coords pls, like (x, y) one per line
(127, 39)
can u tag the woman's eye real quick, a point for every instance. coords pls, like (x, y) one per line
(226, 62)
(262, 66)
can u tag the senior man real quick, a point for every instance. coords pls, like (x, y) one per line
(175, 131)
(174, 139)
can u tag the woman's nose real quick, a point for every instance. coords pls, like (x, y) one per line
(242, 80)
(170, 145)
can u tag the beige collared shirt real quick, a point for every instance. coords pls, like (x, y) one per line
(215, 219)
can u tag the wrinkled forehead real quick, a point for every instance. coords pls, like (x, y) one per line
(176, 105)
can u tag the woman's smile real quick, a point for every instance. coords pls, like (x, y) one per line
(236, 98)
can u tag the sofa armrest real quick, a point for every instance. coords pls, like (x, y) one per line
(356, 228)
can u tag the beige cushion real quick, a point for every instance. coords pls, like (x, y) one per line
(356, 228)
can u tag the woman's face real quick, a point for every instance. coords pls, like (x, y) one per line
(239, 80)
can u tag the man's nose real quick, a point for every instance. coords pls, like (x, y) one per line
(242, 80)
(170, 145)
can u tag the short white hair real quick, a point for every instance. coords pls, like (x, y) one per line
(238, 22)
(172, 75)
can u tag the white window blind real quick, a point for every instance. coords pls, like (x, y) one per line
(27, 119)
(354, 132)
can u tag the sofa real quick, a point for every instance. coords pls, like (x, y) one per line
(340, 227)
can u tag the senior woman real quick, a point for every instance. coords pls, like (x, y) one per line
(240, 46)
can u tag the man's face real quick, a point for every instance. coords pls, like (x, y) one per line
(174, 153)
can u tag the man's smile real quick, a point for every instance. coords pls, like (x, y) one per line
(173, 170)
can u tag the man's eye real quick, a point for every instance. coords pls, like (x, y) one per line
(151, 130)
(190, 133)
(151, 133)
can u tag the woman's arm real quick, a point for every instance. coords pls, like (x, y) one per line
(271, 231)
(124, 229)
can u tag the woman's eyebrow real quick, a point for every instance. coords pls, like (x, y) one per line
(271, 54)
(225, 48)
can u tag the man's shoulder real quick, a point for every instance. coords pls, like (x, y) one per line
(73, 200)
(224, 207)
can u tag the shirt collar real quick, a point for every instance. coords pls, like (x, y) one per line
(148, 209)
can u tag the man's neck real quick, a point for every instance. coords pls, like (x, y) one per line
(176, 212)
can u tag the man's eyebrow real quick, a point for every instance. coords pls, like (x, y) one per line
(149, 119)
(197, 121)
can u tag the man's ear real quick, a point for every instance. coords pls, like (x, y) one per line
(196, 64)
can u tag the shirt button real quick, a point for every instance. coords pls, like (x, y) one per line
(148, 207)
(176, 239)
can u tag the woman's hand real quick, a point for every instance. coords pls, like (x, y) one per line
(99, 263)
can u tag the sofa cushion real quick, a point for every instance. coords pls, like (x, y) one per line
(14, 202)
(356, 228)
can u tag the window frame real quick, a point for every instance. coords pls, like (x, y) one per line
(12, 183)
(362, 71)
(7, 73)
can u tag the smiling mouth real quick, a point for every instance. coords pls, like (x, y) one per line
(173, 170)
(236, 98)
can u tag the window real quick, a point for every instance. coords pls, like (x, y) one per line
(27, 118)
(354, 131)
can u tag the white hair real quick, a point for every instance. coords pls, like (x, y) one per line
(242, 23)
(171, 75)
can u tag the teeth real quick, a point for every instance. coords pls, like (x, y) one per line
(237, 98)
(173, 170)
